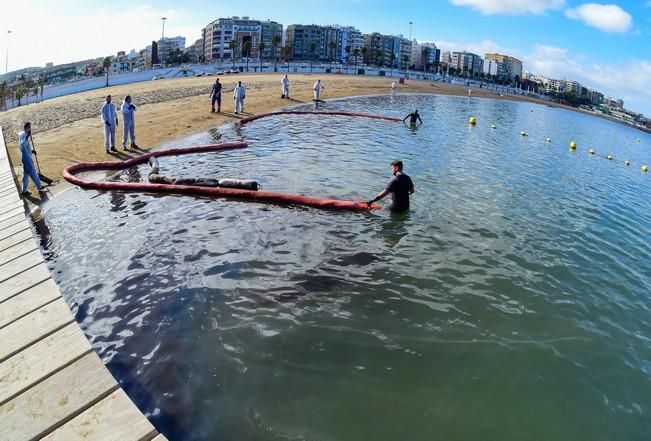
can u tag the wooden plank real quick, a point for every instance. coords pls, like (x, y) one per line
(8, 199)
(10, 207)
(13, 220)
(17, 250)
(41, 360)
(13, 229)
(27, 279)
(26, 302)
(115, 418)
(160, 437)
(20, 264)
(55, 400)
(11, 213)
(6, 189)
(16, 239)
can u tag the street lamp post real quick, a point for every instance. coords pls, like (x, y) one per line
(7, 55)
(163, 34)
(162, 37)
(410, 23)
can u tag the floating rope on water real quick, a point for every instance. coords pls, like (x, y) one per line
(296, 112)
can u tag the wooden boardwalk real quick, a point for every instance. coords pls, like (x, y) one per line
(52, 385)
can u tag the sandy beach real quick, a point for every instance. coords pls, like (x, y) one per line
(68, 129)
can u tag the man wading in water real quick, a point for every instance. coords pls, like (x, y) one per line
(400, 187)
(414, 117)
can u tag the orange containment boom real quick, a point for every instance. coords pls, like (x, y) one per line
(258, 196)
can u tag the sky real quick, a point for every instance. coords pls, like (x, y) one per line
(606, 46)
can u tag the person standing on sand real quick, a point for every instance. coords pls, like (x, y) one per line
(216, 96)
(239, 93)
(129, 122)
(400, 186)
(26, 151)
(317, 90)
(393, 88)
(110, 120)
(285, 87)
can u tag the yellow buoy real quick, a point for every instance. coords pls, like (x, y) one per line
(573, 145)
(645, 168)
(627, 163)
(610, 158)
(591, 151)
(473, 120)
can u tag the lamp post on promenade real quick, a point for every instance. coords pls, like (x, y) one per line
(7, 55)
(163, 34)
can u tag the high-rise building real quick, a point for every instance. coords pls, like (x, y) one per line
(467, 62)
(269, 30)
(512, 66)
(352, 39)
(424, 55)
(383, 50)
(306, 42)
(495, 68)
(236, 37)
(167, 45)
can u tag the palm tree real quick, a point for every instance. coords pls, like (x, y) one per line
(393, 60)
(106, 64)
(275, 42)
(332, 46)
(287, 53)
(35, 89)
(356, 53)
(347, 49)
(261, 48)
(41, 83)
(312, 52)
(405, 59)
(424, 56)
(20, 92)
(378, 57)
(232, 45)
(364, 54)
(3, 93)
(246, 51)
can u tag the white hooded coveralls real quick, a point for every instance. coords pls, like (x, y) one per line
(129, 122)
(239, 93)
(109, 121)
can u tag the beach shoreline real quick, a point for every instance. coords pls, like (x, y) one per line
(68, 129)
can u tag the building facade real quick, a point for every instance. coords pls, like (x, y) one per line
(306, 42)
(169, 44)
(235, 37)
(424, 56)
(383, 50)
(466, 62)
(512, 66)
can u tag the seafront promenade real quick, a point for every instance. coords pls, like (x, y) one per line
(52, 384)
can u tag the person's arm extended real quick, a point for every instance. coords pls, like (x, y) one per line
(421, 121)
(379, 196)
(405, 118)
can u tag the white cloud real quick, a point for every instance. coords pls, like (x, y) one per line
(510, 7)
(628, 80)
(481, 48)
(63, 36)
(607, 18)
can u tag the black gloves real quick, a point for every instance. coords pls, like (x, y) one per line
(34, 152)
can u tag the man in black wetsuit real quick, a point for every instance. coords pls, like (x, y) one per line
(400, 187)
(414, 117)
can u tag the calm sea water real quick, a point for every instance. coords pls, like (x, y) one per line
(512, 302)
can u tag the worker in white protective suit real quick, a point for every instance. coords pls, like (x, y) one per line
(110, 120)
(239, 93)
(285, 87)
(317, 90)
(128, 122)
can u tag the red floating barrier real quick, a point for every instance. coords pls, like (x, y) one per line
(259, 196)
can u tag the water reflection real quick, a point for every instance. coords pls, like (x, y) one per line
(513, 271)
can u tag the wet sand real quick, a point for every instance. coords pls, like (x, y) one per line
(68, 129)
